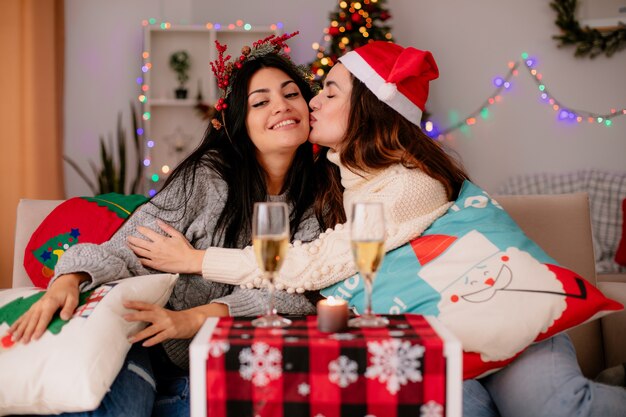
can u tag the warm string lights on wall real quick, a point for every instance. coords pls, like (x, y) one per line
(239, 25)
(564, 113)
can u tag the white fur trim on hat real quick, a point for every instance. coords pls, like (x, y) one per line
(386, 92)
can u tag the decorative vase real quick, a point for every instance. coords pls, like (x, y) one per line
(181, 93)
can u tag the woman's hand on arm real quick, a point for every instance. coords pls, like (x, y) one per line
(166, 324)
(62, 294)
(172, 253)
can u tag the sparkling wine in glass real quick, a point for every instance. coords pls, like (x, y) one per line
(367, 234)
(270, 240)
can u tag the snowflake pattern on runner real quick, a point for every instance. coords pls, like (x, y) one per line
(431, 409)
(260, 364)
(304, 389)
(218, 347)
(343, 371)
(394, 362)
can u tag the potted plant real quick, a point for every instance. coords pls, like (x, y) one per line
(180, 63)
(110, 176)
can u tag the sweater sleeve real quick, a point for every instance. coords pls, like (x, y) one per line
(114, 259)
(412, 201)
(253, 302)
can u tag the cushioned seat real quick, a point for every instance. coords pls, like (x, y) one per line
(561, 225)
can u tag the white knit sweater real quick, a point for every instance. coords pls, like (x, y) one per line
(412, 201)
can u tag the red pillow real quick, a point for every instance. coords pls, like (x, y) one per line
(76, 220)
(620, 254)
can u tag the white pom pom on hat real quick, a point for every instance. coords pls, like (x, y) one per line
(387, 91)
(398, 76)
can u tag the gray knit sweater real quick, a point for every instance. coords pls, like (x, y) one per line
(114, 260)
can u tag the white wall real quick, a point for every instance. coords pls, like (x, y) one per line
(103, 57)
(471, 41)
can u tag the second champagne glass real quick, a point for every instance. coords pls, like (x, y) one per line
(270, 240)
(367, 233)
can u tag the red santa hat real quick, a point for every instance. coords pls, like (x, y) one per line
(398, 76)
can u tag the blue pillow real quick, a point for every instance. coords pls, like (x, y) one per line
(485, 280)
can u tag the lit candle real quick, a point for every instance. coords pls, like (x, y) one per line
(332, 315)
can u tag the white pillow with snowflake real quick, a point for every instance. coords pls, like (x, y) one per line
(71, 367)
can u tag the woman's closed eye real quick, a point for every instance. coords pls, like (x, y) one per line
(260, 103)
(288, 96)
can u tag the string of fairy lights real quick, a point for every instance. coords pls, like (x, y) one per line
(564, 112)
(502, 84)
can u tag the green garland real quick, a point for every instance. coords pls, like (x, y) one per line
(589, 41)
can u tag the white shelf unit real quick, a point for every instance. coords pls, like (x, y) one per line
(173, 127)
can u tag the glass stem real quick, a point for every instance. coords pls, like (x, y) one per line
(270, 295)
(368, 294)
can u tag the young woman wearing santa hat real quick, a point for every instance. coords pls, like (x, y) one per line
(377, 148)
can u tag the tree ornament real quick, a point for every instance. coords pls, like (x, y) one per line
(346, 29)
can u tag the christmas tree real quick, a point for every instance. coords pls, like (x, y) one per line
(352, 24)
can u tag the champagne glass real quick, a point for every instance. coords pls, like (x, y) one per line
(367, 233)
(270, 239)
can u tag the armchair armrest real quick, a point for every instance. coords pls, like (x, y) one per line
(614, 324)
(30, 214)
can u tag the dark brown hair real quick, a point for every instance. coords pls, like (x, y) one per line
(378, 137)
(231, 154)
(328, 205)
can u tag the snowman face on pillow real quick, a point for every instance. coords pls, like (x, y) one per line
(483, 281)
(475, 270)
(488, 292)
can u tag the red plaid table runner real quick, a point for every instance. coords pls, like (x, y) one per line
(298, 371)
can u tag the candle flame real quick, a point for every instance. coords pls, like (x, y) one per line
(335, 301)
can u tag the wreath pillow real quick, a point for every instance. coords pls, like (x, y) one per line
(76, 220)
(479, 274)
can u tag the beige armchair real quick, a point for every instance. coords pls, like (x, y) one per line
(560, 224)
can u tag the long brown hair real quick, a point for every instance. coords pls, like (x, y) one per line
(329, 201)
(231, 154)
(378, 137)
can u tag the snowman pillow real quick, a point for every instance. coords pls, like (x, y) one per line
(479, 274)
(72, 366)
